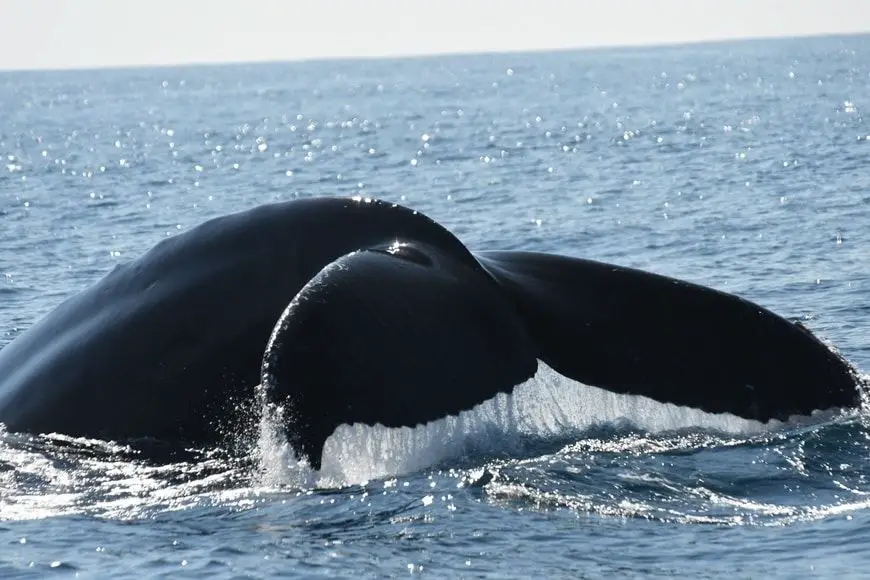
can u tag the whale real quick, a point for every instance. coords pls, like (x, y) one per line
(358, 310)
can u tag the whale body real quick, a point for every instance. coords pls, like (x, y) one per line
(350, 310)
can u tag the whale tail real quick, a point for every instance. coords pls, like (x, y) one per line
(407, 334)
(630, 331)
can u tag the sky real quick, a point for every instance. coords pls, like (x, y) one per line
(40, 34)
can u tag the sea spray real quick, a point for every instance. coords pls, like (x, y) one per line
(276, 465)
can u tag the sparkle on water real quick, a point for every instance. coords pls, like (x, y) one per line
(739, 166)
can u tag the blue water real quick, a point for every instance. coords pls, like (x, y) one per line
(742, 166)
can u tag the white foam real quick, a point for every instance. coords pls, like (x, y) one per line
(547, 406)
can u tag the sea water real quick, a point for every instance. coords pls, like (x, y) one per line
(742, 166)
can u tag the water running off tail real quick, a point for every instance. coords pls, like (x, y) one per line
(549, 406)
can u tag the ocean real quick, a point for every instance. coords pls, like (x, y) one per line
(742, 166)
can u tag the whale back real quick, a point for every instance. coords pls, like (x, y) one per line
(168, 345)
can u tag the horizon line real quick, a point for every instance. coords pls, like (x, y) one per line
(411, 55)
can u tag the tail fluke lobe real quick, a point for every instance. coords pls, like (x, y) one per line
(397, 336)
(631, 331)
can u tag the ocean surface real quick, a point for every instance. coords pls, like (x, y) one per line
(742, 166)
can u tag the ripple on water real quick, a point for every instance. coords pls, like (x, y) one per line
(736, 165)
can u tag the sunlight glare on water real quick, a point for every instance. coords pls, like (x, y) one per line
(741, 166)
